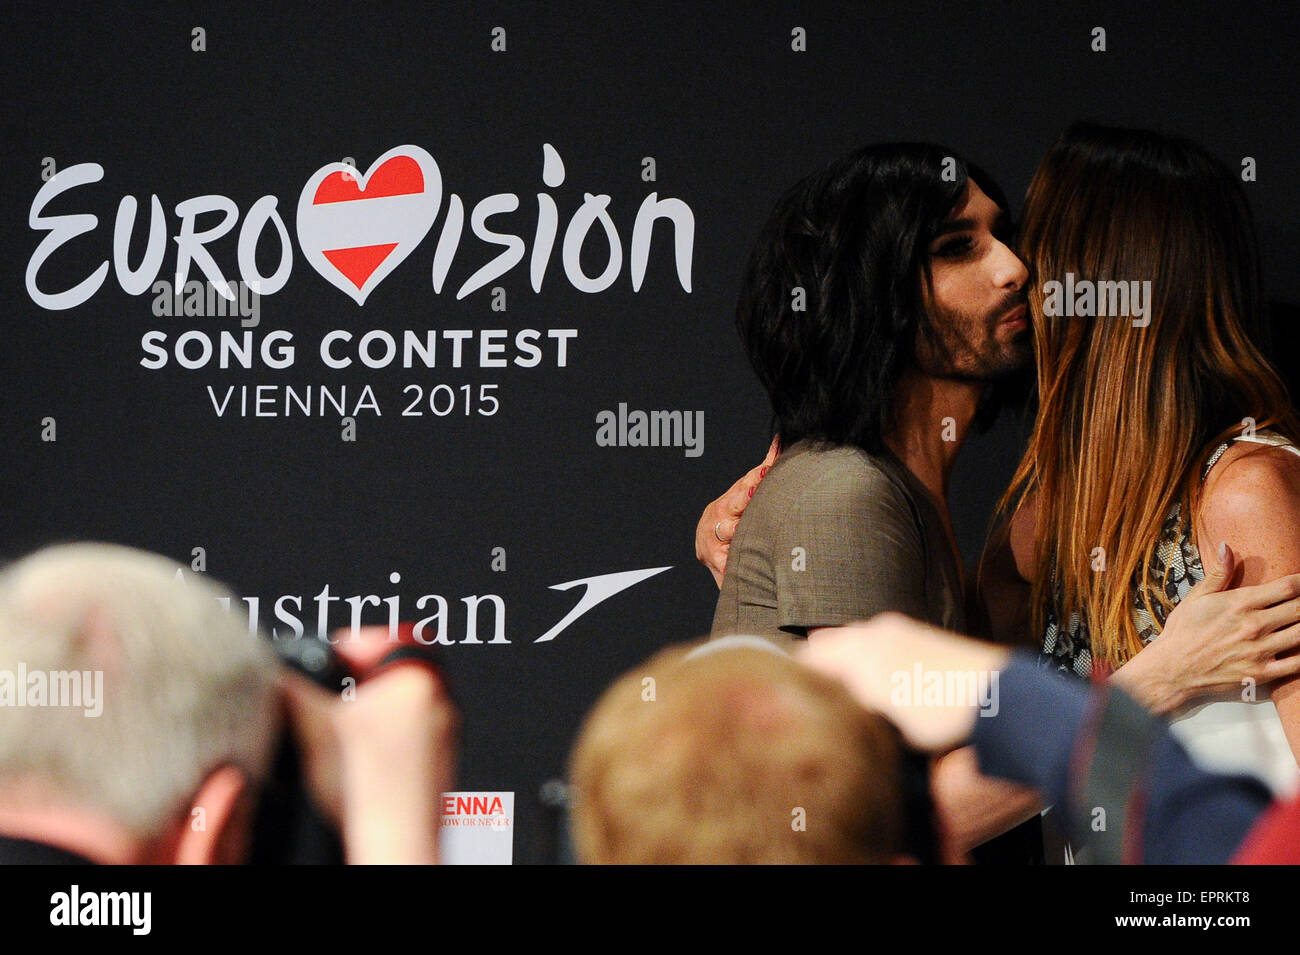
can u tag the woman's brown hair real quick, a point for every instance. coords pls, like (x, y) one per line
(1131, 406)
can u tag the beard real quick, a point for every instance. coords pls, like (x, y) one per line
(961, 346)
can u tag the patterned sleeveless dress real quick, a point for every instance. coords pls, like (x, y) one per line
(1224, 734)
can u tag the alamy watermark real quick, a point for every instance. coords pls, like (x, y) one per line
(80, 689)
(197, 299)
(920, 686)
(635, 428)
(1086, 298)
(133, 909)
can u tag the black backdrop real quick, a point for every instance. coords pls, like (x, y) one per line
(730, 114)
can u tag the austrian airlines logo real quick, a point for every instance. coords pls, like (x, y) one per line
(355, 229)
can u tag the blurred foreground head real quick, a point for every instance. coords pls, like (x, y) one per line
(733, 755)
(166, 708)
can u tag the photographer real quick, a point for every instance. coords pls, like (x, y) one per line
(138, 721)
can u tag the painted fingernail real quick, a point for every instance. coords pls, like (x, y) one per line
(762, 474)
(751, 492)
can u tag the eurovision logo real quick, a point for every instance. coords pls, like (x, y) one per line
(354, 229)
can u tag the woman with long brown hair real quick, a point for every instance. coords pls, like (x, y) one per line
(1159, 430)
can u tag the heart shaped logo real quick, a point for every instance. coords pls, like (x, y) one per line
(355, 229)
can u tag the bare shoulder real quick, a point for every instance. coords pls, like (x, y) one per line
(1251, 494)
(1249, 480)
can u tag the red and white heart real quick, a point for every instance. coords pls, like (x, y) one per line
(355, 229)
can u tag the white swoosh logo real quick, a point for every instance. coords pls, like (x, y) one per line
(599, 589)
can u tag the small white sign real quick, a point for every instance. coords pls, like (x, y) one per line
(477, 829)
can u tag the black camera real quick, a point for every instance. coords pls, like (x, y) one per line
(289, 828)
